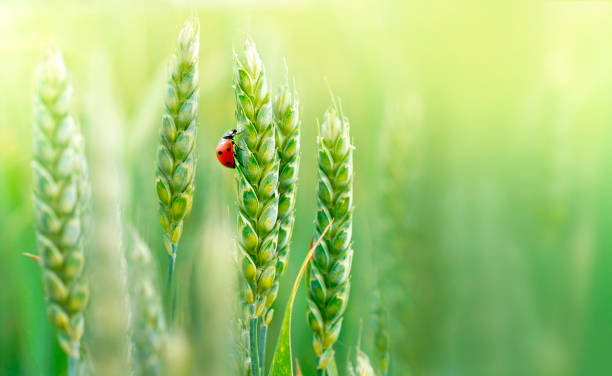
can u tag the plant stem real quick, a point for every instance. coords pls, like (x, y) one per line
(73, 362)
(321, 372)
(253, 339)
(263, 333)
(170, 289)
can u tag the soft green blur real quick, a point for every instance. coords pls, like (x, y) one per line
(483, 171)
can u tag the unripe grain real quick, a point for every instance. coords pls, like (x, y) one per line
(328, 274)
(176, 157)
(381, 336)
(287, 118)
(258, 196)
(176, 160)
(257, 174)
(61, 197)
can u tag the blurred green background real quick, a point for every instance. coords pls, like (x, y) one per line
(483, 135)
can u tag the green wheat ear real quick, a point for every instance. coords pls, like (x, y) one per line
(61, 197)
(257, 190)
(287, 120)
(257, 178)
(328, 274)
(176, 159)
(287, 117)
(147, 322)
(381, 336)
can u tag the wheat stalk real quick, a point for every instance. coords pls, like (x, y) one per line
(257, 190)
(61, 196)
(328, 274)
(176, 159)
(147, 322)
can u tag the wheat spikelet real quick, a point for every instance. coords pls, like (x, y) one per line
(328, 273)
(61, 196)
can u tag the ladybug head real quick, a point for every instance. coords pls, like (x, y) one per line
(230, 134)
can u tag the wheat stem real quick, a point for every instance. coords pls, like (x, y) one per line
(170, 286)
(253, 339)
(263, 334)
(73, 365)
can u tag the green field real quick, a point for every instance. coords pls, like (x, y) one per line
(482, 176)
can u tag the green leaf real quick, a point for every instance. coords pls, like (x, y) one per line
(282, 364)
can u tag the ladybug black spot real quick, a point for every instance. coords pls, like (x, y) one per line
(220, 152)
(228, 163)
(228, 149)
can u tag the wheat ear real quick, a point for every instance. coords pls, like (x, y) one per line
(61, 197)
(257, 190)
(381, 335)
(328, 274)
(287, 119)
(147, 322)
(176, 159)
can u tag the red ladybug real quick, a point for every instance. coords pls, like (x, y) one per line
(225, 149)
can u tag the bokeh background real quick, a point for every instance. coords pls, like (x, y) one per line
(483, 171)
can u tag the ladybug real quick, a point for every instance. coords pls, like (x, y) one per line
(225, 149)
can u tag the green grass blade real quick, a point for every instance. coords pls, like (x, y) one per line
(282, 364)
